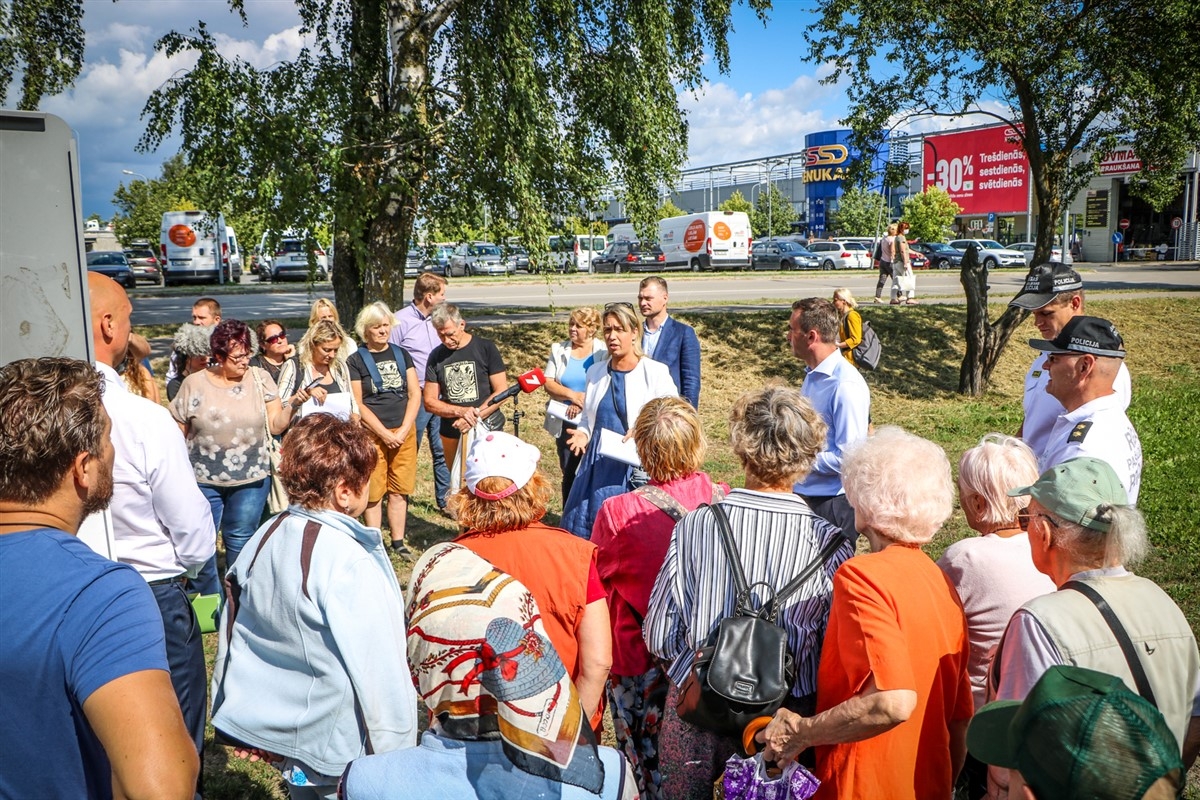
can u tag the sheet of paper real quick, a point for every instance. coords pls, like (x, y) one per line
(557, 408)
(337, 404)
(611, 446)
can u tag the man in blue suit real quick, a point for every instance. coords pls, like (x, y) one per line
(668, 340)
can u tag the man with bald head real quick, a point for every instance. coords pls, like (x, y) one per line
(1084, 361)
(162, 526)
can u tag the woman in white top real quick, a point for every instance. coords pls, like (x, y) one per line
(993, 572)
(616, 391)
(320, 368)
(566, 379)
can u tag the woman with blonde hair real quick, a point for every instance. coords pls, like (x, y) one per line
(322, 310)
(615, 393)
(319, 370)
(631, 534)
(850, 326)
(993, 572)
(500, 507)
(886, 253)
(566, 379)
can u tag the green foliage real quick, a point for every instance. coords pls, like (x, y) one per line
(930, 214)
(668, 209)
(859, 213)
(42, 43)
(773, 213)
(736, 202)
(403, 111)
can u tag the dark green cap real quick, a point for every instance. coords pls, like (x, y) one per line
(1082, 490)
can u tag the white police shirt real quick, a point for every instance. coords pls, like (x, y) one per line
(1101, 430)
(1042, 409)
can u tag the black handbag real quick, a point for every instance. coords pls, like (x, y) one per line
(745, 670)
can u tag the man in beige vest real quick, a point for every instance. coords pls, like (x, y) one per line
(1082, 534)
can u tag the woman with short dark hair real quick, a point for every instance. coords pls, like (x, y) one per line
(311, 667)
(226, 413)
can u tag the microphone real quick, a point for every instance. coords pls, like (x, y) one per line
(526, 382)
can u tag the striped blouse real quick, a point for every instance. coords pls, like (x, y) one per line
(777, 536)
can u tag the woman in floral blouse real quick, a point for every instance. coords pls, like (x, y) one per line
(225, 412)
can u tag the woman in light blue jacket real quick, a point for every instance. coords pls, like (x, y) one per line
(311, 668)
(566, 381)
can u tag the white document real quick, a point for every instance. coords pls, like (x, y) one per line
(611, 446)
(557, 408)
(337, 403)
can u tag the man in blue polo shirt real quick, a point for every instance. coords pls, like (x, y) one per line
(89, 710)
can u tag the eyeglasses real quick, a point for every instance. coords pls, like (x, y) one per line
(1024, 517)
(240, 357)
(279, 337)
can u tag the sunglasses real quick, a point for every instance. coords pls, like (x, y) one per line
(614, 306)
(279, 337)
(1024, 517)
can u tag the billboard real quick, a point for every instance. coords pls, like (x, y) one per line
(827, 159)
(1122, 161)
(984, 169)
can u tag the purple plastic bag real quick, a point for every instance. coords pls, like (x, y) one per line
(746, 779)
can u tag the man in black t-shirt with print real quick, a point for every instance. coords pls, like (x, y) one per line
(462, 373)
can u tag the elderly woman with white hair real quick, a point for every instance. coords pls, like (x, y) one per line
(992, 572)
(893, 697)
(384, 382)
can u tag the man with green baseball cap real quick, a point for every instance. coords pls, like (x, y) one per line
(1079, 735)
(1082, 534)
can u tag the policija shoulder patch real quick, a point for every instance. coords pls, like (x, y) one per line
(1080, 432)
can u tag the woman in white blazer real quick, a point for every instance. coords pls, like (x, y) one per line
(566, 381)
(615, 393)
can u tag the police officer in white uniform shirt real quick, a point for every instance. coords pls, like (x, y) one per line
(1054, 293)
(1083, 362)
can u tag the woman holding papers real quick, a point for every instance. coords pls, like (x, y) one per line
(615, 393)
(225, 413)
(319, 376)
(566, 379)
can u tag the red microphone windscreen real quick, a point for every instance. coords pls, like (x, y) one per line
(534, 379)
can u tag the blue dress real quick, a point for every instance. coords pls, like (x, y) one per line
(599, 477)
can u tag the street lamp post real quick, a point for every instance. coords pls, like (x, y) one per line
(135, 174)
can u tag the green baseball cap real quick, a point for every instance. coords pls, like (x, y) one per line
(1081, 490)
(1080, 734)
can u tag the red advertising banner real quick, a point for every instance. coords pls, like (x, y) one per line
(1122, 161)
(984, 170)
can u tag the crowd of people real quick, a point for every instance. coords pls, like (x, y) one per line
(1028, 661)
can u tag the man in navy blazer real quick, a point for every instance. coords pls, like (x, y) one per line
(668, 340)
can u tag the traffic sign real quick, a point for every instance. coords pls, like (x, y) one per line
(1123, 224)
(1176, 223)
(1117, 238)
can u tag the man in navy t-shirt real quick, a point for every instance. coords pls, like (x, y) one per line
(89, 710)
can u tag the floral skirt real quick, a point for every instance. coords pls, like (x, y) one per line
(671, 759)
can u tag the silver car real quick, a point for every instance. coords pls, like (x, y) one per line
(1027, 248)
(478, 258)
(991, 253)
(841, 254)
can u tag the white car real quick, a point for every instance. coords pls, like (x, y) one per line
(1056, 253)
(991, 253)
(841, 254)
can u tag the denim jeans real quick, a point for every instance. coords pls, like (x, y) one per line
(430, 425)
(236, 511)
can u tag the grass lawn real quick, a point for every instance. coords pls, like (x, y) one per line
(914, 388)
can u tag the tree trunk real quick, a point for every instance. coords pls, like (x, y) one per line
(985, 340)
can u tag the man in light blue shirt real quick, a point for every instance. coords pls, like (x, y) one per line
(839, 394)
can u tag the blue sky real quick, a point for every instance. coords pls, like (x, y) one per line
(766, 104)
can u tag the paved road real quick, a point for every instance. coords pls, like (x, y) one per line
(478, 296)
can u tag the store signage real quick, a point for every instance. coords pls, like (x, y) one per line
(1096, 211)
(984, 170)
(1121, 161)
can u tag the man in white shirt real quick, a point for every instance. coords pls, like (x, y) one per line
(162, 525)
(1083, 362)
(1054, 293)
(839, 394)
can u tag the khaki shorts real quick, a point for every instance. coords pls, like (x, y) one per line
(396, 470)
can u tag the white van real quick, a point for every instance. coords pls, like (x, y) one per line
(574, 253)
(707, 240)
(195, 247)
(235, 251)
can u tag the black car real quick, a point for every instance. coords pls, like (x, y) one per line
(782, 254)
(627, 256)
(413, 262)
(940, 254)
(113, 264)
(518, 256)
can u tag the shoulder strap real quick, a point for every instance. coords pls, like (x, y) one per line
(307, 543)
(731, 552)
(373, 370)
(1131, 656)
(662, 501)
(827, 552)
(233, 589)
